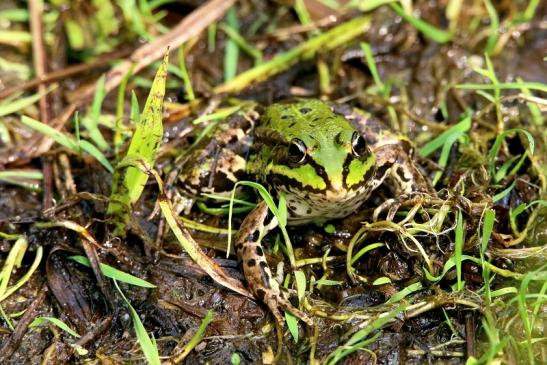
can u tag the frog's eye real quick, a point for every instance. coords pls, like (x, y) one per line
(297, 151)
(358, 145)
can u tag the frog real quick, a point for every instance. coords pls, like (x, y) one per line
(326, 161)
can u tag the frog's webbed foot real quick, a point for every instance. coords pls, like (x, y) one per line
(257, 272)
(276, 301)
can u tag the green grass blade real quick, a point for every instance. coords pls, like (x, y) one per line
(381, 281)
(14, 260)
(265, 195)
(494, 27)
(59, 137)
(397, 297)
(62, 325)
(10, 106)
(148, 347)
(113, 273)
(450, 134)
(359, 339)
(436, 34)
(493, 152)
(367, 51)
(302, 12)
(231, 53)
(242, 43)
(189, 90)
(502, 194)
(95, 152)
(135, 108)
(323, 42)
(458, 250)
(120, 110)
(21, 174)
(196, 338)
(91, 122)
(487, 228)
(538, 86)
(366, 249)
(14, 15)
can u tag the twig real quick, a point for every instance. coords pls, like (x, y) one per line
(40, 67)
(95, 331)
(39, 53)
(470, 334)
(12, 343)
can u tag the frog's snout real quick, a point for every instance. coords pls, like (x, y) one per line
(337, 186)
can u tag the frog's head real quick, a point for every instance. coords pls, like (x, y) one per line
(321, 151)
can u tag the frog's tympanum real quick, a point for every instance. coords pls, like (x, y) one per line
(325, 166)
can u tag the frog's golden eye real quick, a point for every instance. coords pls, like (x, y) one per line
(297, 151)
(358, 145)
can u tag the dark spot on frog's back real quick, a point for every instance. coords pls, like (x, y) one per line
(304, 110)
(261, 294)
(285, 116)
(251, 262)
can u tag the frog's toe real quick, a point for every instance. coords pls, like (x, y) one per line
(275, 302)
(391, 205)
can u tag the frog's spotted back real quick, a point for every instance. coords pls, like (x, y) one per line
(313, 121)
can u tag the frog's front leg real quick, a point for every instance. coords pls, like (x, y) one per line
(395, 165)
(257, 272)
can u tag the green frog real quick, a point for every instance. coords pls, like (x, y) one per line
(326, 161)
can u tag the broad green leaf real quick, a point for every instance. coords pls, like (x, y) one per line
(292, 325)
(300, 279)
(128, 182)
